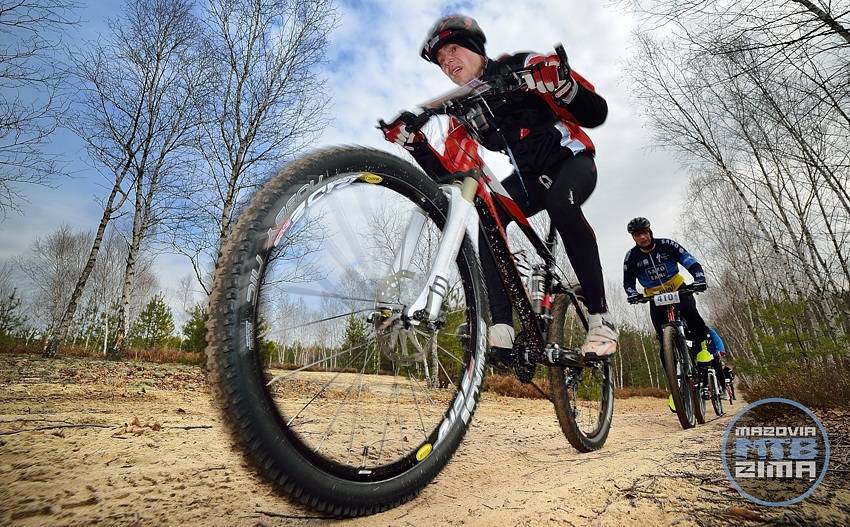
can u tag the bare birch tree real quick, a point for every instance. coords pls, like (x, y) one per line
(755, 100)
(46, 267)
(159, 41)
(262, 104)
(127, 117)
(30, 99)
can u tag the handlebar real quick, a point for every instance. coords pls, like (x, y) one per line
(456, 102)
(687, 289)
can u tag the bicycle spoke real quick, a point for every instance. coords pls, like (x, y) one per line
(324, 387)
(304, 291)
(340, 406)
(440, 363)
(397, 393)
(356, 311)
(302, 368)
(418, 409)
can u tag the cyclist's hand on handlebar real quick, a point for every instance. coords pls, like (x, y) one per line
(402, 131)
(546, 77)
(700, 285)
(635, 299)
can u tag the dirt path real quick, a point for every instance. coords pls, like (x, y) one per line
(84, 443)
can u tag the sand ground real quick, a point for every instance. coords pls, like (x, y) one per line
(101, 443)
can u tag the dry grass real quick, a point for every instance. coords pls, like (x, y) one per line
(158, 355)
(640, 391)
(820, 385)
(510, 386)
(506, 385)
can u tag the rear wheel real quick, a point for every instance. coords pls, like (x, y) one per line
(677, 379)
(583, 397)
(335, 397)
(716, 394)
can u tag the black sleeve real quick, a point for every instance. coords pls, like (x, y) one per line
(588, 107)
(629, 276)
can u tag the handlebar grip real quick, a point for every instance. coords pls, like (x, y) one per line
(562, 57)
(382, 125)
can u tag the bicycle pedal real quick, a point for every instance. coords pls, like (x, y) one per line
(567, 357)
(590, 356)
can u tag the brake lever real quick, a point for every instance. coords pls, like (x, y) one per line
(563, 61)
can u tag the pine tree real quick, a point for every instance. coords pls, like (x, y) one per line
(356, 340)
(154, 325)
(11, 319)
(195, 329)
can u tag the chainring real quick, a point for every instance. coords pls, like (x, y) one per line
(522, 358)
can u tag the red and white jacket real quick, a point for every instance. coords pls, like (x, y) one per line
(539, 129)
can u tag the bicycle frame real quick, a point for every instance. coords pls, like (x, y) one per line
(477, 203)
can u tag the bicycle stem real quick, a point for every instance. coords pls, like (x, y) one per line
(461, 211)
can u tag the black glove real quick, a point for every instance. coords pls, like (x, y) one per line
(634, 299)
(700, 285)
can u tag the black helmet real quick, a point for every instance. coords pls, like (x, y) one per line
(463, 30)
(638, 224)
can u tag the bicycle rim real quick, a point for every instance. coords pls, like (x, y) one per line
(334, 397)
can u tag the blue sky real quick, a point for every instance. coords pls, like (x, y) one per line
(375, 70)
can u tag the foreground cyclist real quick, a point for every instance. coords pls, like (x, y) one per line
(540, 129)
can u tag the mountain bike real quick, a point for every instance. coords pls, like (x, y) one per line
(709, 387)
(347, 336)
(683, 379)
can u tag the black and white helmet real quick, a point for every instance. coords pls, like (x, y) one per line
(453, 28)
(638, 224)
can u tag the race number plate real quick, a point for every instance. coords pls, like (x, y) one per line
(665, 299)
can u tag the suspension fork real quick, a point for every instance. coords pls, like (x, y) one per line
(459, 222)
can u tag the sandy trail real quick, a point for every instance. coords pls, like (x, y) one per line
(90, 442)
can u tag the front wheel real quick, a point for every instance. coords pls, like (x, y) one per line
(583, 397)
(675, 368)
(335, 397)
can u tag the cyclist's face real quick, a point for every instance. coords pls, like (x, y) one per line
(459, 64)
(643, 239)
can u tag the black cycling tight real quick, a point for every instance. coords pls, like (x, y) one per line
(571, 181)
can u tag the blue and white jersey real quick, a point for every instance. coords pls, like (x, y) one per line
(657, 269)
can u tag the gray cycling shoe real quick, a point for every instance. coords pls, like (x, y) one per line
(501, 336)
(602, 336)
